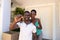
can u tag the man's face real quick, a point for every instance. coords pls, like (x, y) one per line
(26, 16)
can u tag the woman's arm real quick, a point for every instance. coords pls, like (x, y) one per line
(40, 25)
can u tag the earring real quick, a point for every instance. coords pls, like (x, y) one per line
(30, 17)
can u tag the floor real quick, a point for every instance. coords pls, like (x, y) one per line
(45, 39)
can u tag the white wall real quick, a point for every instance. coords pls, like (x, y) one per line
(58, 21)
(45, 13)
(34, 2)
(59, 13)
(6, 10)
(0, 21)
(4, 16)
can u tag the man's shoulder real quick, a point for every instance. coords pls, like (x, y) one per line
(31, 24)
(20, 22)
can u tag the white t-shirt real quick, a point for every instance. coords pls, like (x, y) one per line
(26, 31)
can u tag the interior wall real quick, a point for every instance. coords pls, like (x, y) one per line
(58, 36)
(34, 2)
(45, 13)
(59, 13)
(14, 6)
(57, 21)
(0, 22)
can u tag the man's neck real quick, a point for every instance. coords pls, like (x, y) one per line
(27, 21)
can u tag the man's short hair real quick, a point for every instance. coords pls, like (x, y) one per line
(26, 12)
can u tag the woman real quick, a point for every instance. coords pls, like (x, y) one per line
(37, 23)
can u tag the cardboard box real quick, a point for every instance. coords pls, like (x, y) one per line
(11, 35)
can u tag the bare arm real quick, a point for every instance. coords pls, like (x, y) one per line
(16, 20)
(40, 25)
(12, 26)
(34, 33)
(35, 36)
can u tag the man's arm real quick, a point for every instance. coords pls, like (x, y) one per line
(13, 25)
(16, 20)
(34, 32)
(34, 36)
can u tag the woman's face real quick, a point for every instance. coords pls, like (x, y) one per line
(33, 14)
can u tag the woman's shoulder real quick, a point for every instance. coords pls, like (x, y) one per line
(37, 19)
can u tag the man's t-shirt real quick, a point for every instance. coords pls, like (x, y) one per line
(26, 30)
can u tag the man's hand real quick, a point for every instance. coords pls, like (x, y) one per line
(18, 18)
(34, 36)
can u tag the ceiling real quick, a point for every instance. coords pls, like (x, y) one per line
(33, 2)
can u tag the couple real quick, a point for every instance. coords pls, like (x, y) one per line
(28, 27)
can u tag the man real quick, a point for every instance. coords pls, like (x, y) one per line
(26, 27)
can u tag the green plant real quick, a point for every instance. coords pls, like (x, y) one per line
(19, 10)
